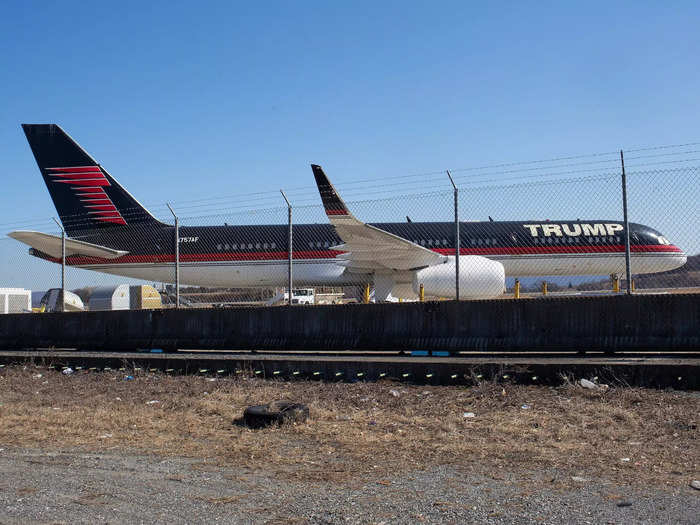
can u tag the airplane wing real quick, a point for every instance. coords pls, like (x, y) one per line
(367, 247)
(51, 245)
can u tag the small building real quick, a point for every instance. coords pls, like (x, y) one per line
(124, 297)
(110, 298)
(15, 300)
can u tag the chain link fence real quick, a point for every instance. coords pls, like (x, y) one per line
(556, 233)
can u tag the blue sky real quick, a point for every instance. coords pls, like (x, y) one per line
(190, 100)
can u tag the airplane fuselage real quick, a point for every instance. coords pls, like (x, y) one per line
(256, 255)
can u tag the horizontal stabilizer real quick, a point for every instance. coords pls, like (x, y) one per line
(51, 245)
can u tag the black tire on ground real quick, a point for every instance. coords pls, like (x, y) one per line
(277, 412)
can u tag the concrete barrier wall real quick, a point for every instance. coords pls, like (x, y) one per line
(663, 322)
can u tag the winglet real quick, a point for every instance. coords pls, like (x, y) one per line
(332, 202)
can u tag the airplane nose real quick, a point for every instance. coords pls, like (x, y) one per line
(682, 256)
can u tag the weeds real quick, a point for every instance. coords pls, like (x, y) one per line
(360, 429)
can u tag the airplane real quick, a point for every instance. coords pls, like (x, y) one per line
(109, 231)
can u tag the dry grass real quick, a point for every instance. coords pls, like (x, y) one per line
(359, 430)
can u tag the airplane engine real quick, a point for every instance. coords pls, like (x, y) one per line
(479, 278)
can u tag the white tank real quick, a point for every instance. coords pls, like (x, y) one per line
(479, 278)
(110, 298)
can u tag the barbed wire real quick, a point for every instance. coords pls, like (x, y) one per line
(80, 220)
(371, 184)
(250, 209)
(269, 199)
(346, 186)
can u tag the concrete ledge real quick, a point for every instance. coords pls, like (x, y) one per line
(653, 322)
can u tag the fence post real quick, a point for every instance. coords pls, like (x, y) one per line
(177, 257)
(628, 268)
(62, 299)
(456, 193)
(289, 249)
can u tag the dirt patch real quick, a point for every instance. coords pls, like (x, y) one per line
(361, 429)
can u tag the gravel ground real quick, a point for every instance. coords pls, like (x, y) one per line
(75, 487)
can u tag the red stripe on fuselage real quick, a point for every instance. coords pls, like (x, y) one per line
(331, 254)
(202, 257)
(554, 249)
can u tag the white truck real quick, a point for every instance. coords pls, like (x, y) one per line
(299, 296)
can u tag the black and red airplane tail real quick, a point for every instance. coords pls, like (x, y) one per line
(86, 197)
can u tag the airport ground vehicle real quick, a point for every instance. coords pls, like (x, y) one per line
(302, 296)
(109, 231)
(299, 296)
